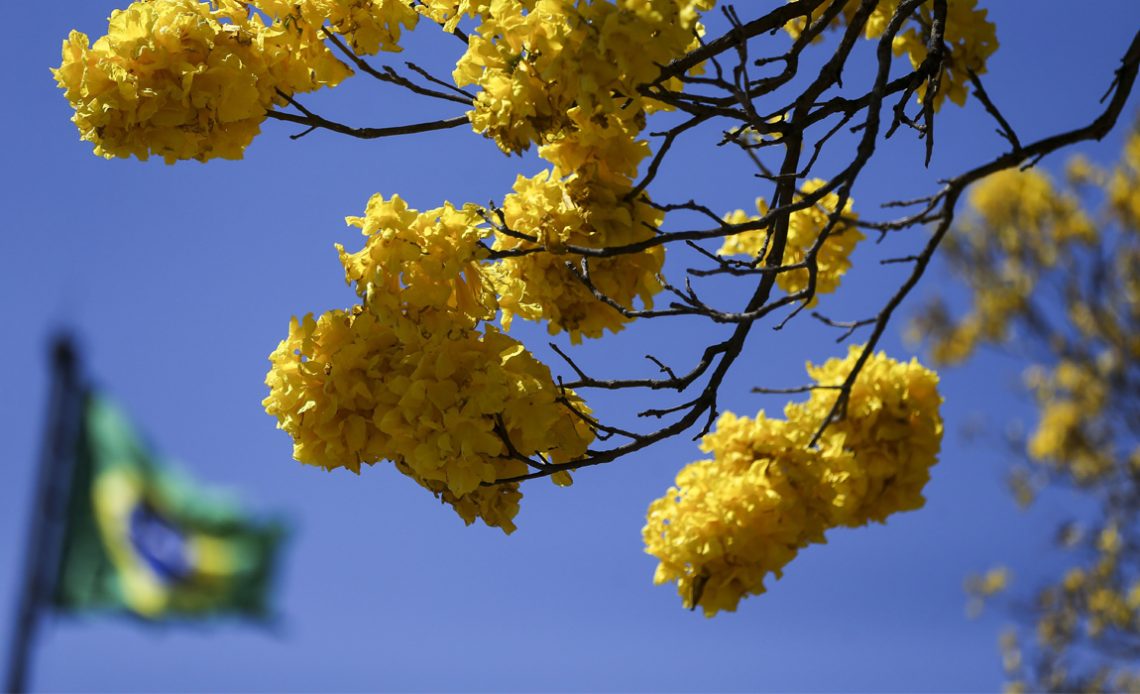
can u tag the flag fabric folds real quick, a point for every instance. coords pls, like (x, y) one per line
(141, 537)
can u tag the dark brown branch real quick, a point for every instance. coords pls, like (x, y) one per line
(1005, 129)
(776, 19)
(314, 121)
(388, 74)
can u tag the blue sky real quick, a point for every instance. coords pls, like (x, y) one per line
(179, 280)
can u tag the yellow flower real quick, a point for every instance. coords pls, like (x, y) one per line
(574, 211)
(184, 79)
(414, 375)
(892, 427)
(804, 229)
(521, 50)
(970, 37)
(369, 26)
(730, 522)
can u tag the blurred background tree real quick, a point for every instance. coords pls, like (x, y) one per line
(1053, 269)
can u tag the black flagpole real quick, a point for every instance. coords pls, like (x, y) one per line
(41, 555)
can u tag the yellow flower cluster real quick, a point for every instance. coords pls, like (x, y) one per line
(981, 588)
(558, 212)
(587, 127)
(176, 78)
(1024, 208)
(424, 266)
(183, 79)
(535, 60)
(447, 13)
(731, 521)
(1071, 396)
(584, 201)
(804, 228)
(369, 26)
(412, 375)
(891, 424)
(969, 37)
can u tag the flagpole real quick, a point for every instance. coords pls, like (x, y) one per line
(41, 554)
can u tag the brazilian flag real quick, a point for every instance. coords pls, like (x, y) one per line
(141, 537)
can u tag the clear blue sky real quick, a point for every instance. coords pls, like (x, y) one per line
(180, 280)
